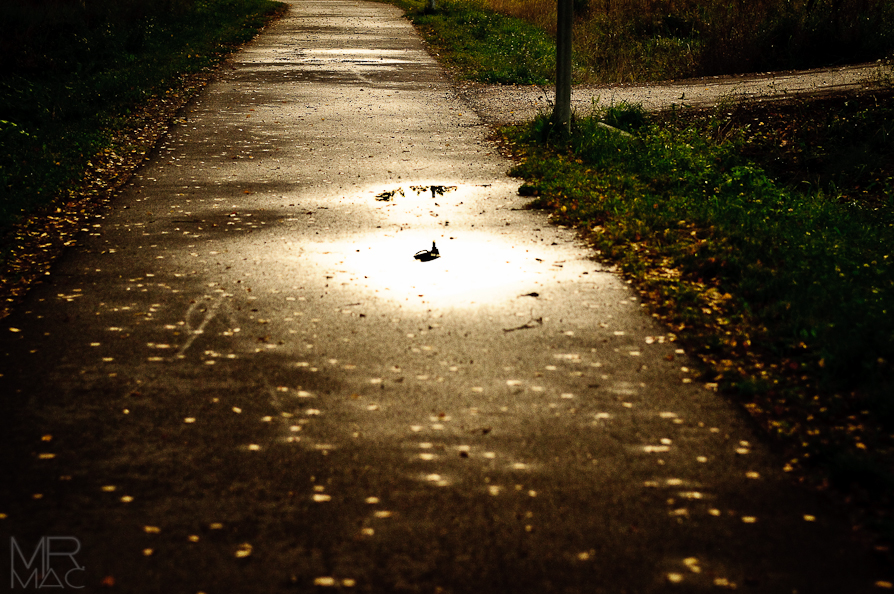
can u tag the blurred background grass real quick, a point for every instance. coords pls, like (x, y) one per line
(641, 40)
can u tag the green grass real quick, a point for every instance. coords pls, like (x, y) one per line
(73, 72)
(770, 259)
(483, 45)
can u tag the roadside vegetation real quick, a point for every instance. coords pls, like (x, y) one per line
(74, 75)
(484, 45)
(642, 40)
(761, 237)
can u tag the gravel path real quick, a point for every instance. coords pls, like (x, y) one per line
(503, 104)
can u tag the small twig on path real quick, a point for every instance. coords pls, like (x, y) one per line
(532, 323)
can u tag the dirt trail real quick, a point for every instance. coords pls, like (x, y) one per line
(502, 104)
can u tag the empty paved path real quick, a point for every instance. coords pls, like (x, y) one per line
(243, 381)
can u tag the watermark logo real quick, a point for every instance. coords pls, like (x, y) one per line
(51, 564)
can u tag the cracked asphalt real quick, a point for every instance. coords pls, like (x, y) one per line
(241, 380)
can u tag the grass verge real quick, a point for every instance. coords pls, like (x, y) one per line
(75, 74)
(762, 238)
(483, 45)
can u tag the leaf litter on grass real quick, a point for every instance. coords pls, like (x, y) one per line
(777, 278)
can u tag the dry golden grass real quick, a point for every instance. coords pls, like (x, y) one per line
(630, 40)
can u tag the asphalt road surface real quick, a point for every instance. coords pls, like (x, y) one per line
(242, 380)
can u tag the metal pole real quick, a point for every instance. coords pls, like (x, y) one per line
(562, 109)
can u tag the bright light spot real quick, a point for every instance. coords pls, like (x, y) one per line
(321, 497)
(475, 268)
(752, 474)
(372, 500)
(809, 518)
(324, 581)
(749, 519)
(675, 578)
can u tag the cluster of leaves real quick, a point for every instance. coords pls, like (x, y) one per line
(784, 290)
(484, 45)
(73, 72)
